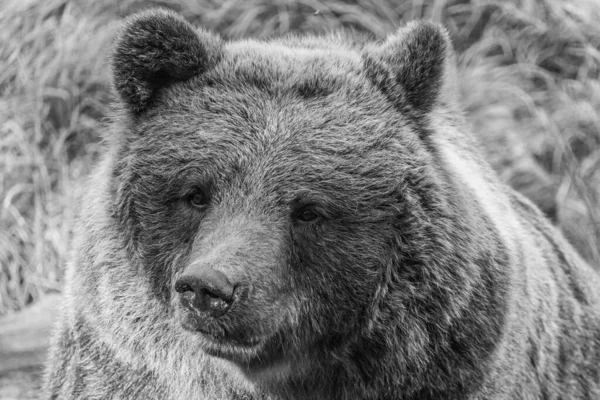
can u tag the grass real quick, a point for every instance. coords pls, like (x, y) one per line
(529, 81)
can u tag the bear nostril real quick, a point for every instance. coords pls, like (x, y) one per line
(209, 292)
(214, 302)
(183, 287)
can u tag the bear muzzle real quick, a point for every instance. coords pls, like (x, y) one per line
(226, 314)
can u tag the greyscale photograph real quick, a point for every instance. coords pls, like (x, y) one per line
(300, 200)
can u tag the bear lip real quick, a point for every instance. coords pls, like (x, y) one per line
(235, 350)
(252, 355)
(246, 343)
(252, 359)
(223, 344)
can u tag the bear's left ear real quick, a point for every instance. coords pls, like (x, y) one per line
(155, 49)
(410, 66)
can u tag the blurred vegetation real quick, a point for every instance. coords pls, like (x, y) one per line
(528, 78)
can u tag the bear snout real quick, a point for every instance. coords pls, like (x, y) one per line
(206, 290)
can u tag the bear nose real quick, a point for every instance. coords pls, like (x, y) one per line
(207, 290)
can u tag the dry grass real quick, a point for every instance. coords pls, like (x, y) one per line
(528, 72)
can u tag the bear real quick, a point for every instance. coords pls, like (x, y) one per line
(310, 218)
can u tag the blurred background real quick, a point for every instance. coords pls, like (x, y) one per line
(529, 85)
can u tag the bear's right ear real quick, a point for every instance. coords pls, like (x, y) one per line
(155, 49)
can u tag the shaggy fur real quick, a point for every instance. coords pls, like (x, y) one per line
(375, 254)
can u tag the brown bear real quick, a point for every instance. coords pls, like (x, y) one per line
(309, 218)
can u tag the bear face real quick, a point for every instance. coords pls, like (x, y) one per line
(286, 204)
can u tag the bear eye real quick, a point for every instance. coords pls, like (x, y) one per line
(198, 200)
(307, 215)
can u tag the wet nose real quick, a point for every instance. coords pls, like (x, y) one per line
(206, 290)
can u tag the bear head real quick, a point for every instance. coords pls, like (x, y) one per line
(285, 201)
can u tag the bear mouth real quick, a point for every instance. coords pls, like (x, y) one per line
(257, 358)
(235, 346)
(232, 349)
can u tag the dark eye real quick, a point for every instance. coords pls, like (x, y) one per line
(306, 215)
(198, 200)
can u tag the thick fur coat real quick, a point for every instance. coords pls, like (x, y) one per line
(372, 253)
